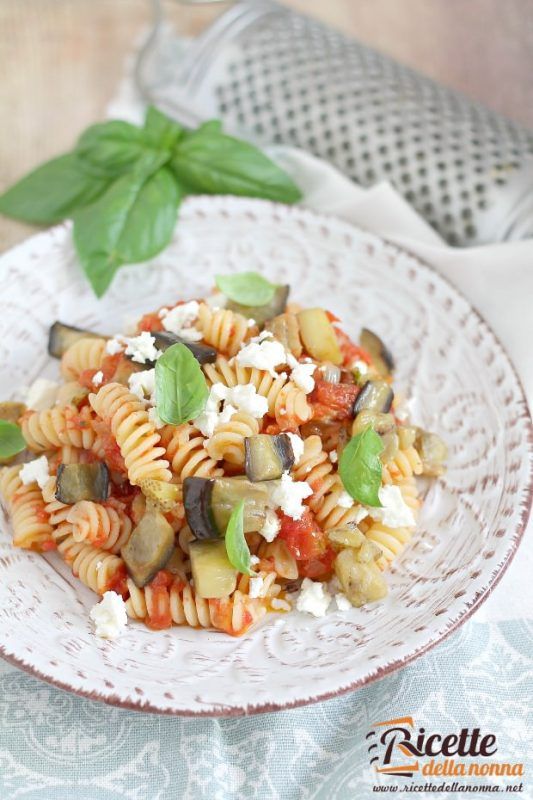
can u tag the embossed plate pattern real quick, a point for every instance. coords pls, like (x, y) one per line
(449, 362)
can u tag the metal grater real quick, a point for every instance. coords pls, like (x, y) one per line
(276, 76)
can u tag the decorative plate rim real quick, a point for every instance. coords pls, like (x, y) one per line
(479, 598)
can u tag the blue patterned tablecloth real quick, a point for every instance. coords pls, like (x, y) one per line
(55, 746)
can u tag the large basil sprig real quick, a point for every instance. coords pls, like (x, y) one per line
(123, 183)
(180, 385)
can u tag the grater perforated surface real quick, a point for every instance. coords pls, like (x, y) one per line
(288, 79)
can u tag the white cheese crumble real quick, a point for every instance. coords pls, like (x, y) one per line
(271, 526)
(142, 348)
(342, 602)
(297, 444)
(256, 587)
(237, 398)
(115, 345)
(395, 513)
(98, 378)
(179, 320)
(345, 500)
(313, 598)
(302, 376)
(360, 366)
(289, 494)
(262, 352)
(109, 616)
(142, 384)
(333, 456)
(254, 560)
(154, 418)
(280, 605)
(35, 471)
(42, 394)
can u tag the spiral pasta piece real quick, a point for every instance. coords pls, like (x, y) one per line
(56, 510)
(227, 442)
(232, 374)
(99, 525)
(224, 329)
(31, 526)
(55, 427)
(86, 353)
(391, 541)
(291, 408)
(406, 463)
(184, 445)
(98, 569)
(135, 435)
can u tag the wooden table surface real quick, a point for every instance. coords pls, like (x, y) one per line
(62, 59)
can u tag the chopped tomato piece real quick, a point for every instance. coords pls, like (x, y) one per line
(303, 537)
(150, 322)
(108, 443)
(117, 582)
(319, 567)
(48, 545)
(351, 352)
(159, 612)
(333, 401)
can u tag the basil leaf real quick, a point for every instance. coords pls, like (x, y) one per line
(53, 191)
(210, 161)
(246, 288)
(180, 385)
(360, 467)
(131, 222)
(236, 545)
(161, 131)
(11, 439)
(112, 146)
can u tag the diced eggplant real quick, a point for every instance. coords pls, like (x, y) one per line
(374, 396)
(227, 492)
(359, 575)
(381, 423)
(262, 314)
(285, 329)
(267, 457)
(212, 572)
(62, 336)
(209, 502)
(382, 359)
(433, 453)
(149, 547)
(331, 373)
(346, 537)
(11, 411)
(77, 482)
(197, 501)
(164, 496)
(318, 335)
(202, 352)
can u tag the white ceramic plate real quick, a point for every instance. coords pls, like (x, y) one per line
(448, 361)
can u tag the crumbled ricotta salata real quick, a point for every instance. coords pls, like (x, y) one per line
(142, 384)
(109, 616)
(302, 376)
(256, 587)
(297, 444)
(42, 394)
(333, 456)
(98, 378)
(271, 526)
(224, 401)
(115, 345)
(342, 602)
(395, 513)
(154, 418)
(262, 352)
(142, 348)
(254, 560)
(35, 471)
(180, 320)
(314, 598)
(289, 494)
(345, 500)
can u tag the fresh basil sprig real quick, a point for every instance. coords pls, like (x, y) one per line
(236, 546)
(123, 183)
(180, 386)
(246, 288)
(11, 439)
(360, 467)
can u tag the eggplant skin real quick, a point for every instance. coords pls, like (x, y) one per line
(267, 457)
(374, 396)
(77, 482)
(61, 337)
(202, 352)
(378, 350)
(149, 547)
(197, 501)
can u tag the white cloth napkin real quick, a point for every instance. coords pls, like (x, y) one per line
(497, 280)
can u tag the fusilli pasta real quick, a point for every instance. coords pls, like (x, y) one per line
(99, 525)
(185, 450)
(227, 442)
(222, 328)
(31, 527)
(55, 427)
(84, 354)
